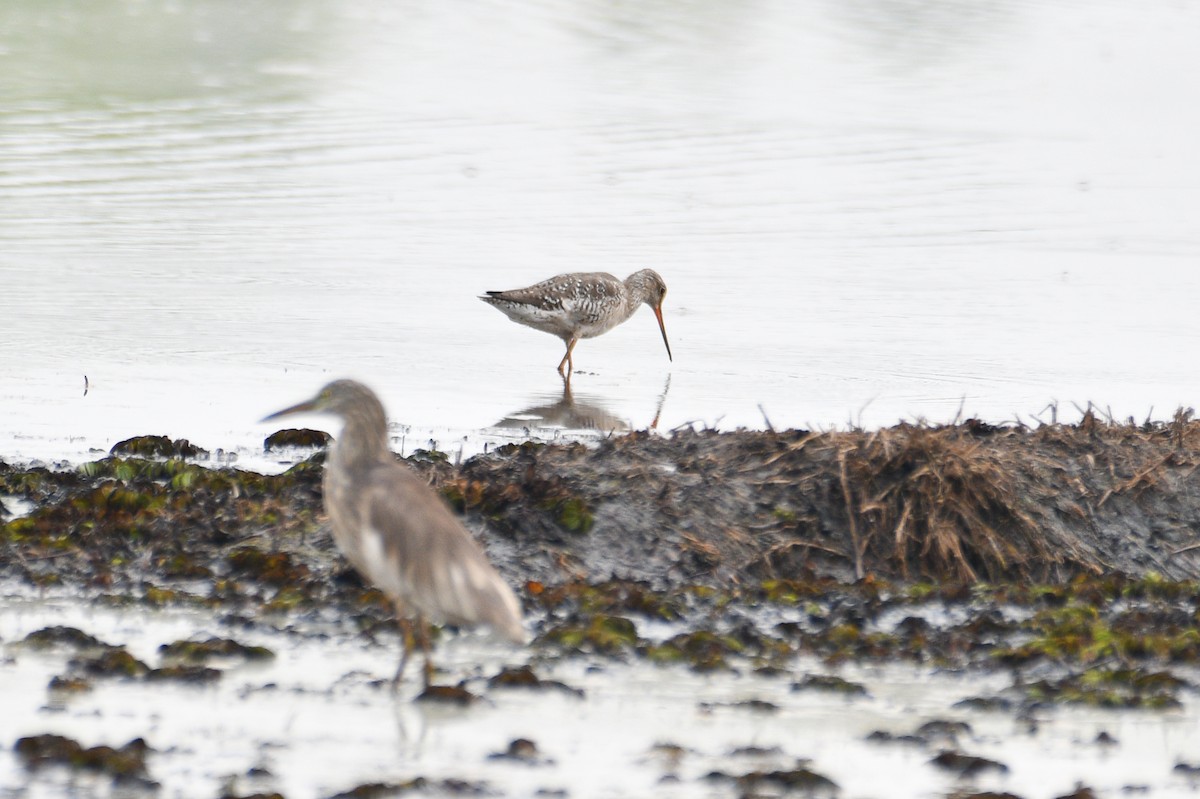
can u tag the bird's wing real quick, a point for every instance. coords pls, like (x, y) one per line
(441, 571)
(563, 292)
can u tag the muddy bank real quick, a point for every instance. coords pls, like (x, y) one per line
(960, 503)
(1026, 570)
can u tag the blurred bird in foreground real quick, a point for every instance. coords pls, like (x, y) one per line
(399, 534)
(582, 305)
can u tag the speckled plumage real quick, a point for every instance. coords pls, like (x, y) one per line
(398, 533)
(582, 305)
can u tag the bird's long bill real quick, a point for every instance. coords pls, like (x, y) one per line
(663, 328)
(307, 405)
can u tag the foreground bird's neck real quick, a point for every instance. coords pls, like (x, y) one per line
(362, 442)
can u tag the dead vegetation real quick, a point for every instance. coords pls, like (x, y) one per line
(967, 501)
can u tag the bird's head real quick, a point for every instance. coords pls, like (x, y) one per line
(650, 286)
(342, 398)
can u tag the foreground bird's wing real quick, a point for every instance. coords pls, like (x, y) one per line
(443, 573)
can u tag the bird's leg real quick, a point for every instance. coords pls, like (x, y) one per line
(567, 359)
(406, 641)
(423, 642)
(563, 362)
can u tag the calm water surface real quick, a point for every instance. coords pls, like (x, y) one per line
(865, 211)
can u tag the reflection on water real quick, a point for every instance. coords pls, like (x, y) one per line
(584, 413)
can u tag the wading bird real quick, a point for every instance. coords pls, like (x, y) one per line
(399, 534)
(582, 305)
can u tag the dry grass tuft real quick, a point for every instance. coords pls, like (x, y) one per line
(937, 502)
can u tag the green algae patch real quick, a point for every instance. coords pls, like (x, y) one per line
(701, 650)
(573, 515)
(1112, 688)
(158, 596)
(69, 686)
(601, 634)
(447, 695)
(60, 636)
(126, 762)
(183, 566)
(800, 780)
(789, 592)
(158, 447)
(426, 787)
(1087, 634)
(111, 662)
(616, 596)
(524, 677)
(302, 438)
(966, 766)
(272, 568)
(829, 683)
(185, 673)
(200, 652)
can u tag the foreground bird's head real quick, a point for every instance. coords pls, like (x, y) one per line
(364, 434)
(344, 398)
(648, 286)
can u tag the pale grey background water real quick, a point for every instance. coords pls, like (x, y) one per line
(864, 210)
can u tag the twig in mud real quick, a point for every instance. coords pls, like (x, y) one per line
(1180, 423)
(767, 421)
(1188, 548)
(1082, 411)
(787, 546)
(858, 567)
(1133, 482)
(795, 447)
(901, 534)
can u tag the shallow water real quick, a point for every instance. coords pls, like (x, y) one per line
(865, 211)
(315, 721)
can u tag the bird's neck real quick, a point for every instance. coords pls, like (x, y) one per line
(359, 445)
(637, 290)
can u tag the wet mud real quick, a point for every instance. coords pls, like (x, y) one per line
(1061, 559)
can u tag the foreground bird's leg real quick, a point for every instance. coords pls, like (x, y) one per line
(422, 632)
(406, 642)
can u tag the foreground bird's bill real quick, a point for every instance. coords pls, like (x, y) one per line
(301, 407)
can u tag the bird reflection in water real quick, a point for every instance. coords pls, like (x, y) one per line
(572, 413)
